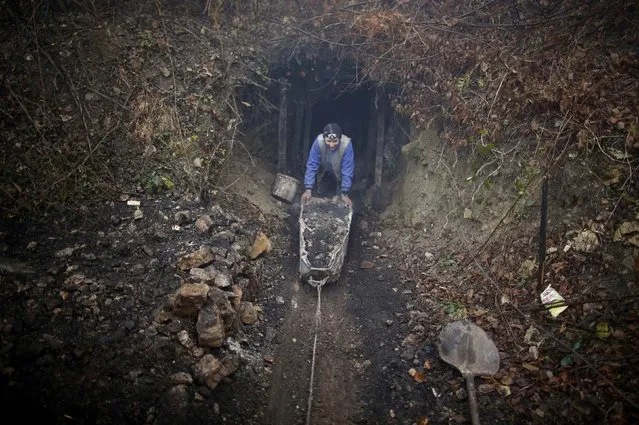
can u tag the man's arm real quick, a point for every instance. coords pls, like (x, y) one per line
(348, 164)
(312, 165)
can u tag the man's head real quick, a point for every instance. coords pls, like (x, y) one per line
(332, 135)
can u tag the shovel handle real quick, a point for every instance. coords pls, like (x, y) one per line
(472, 398)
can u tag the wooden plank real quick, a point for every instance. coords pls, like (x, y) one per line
(371, 138)
(308, 114)
(281, 156)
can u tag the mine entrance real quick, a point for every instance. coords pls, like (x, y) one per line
(307, 99)
(352, 111)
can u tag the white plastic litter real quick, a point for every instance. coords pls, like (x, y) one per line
(551, 298)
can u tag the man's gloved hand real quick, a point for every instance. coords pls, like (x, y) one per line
(306, 195)
(347, 199)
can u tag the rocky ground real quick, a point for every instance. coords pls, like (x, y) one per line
(134, 266)
(149, 295)
(160, 314)
(157, 314)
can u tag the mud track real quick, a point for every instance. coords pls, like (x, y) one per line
(356, 316)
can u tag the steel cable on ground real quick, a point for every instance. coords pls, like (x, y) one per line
(318, 321)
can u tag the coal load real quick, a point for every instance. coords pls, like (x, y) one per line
(326, 227)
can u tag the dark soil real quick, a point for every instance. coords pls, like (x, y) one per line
(81, 337)
(97, 354)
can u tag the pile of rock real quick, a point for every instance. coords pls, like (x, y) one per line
(216, 279)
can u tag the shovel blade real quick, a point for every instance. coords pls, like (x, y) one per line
(467, 347)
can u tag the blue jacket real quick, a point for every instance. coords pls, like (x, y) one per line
(316, 162)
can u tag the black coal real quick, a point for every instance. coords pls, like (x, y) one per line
(326, 227)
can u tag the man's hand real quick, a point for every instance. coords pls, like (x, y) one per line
(306, 195)
(347, 199)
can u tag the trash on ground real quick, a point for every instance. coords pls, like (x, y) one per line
(553, 301)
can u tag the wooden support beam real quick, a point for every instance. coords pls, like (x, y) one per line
(371, 138)
(308, 114)
(281, 156)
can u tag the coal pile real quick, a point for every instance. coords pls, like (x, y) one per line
(326, 226)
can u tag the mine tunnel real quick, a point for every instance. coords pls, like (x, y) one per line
(308, 96)
(350, 110)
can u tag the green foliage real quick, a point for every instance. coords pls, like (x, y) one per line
(464, 81)
(147, 39)
(485, 150)
(525, 209)
(206, 100)
(520, 185)
(454, 309)
(154, 183)
(484, 154)
(187, 148)
(522, 181)
(566, 361)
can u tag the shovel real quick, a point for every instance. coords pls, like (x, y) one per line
(467, 347)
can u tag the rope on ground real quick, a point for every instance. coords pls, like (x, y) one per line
(318, 321)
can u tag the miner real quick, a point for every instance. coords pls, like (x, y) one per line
(330, 165)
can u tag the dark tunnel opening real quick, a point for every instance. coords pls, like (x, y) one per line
(352, 112)
(306, 95)
(308, 110)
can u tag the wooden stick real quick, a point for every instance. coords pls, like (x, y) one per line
(281, 158)
(543, 222)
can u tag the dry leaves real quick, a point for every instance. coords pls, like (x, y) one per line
(416, 375)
